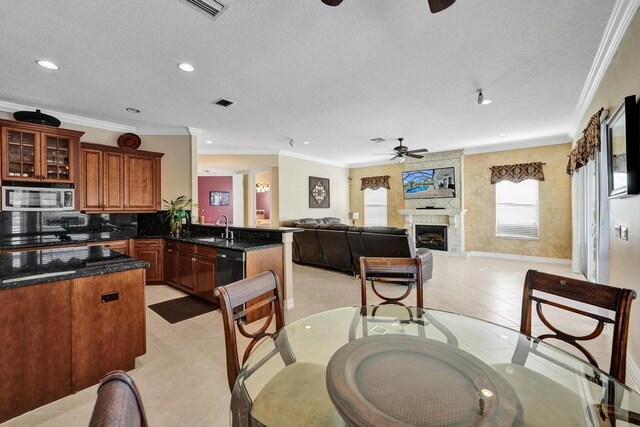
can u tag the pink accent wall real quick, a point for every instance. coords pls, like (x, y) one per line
(214, 183)
(262, 202)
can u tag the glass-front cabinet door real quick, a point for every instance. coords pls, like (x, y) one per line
(21, 155)
(57, 158)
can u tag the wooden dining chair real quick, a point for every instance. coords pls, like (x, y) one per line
(546, 401)
(391, 270)
(297, 395)
(617, 300)
(119, 403)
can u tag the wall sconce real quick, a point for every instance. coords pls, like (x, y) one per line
(354, 216)
(262, 187)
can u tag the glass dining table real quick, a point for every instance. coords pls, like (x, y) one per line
(395, 365)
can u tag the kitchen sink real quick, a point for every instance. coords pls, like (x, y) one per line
(211, 239)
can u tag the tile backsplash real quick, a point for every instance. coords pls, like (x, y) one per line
(35, 223)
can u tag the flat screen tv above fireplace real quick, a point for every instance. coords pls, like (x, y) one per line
(436, 183)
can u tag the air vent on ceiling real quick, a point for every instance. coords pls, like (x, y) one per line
(223, 102)
(377, 140)
(210, 7)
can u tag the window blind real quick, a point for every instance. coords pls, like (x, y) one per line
(517, 209)
(375, 207)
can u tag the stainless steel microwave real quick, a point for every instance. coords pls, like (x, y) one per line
(37, 199)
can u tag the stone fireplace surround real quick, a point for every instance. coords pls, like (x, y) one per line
(453, 219)
(451, 213)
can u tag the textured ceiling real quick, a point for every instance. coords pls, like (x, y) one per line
(336, 77)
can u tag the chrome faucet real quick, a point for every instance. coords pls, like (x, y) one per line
(226, 226)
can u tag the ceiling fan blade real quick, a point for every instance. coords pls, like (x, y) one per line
(419, 150)
(415, 156)
(393, 158)
(333, 2)
(438, 5)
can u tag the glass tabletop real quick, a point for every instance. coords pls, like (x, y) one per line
(551, 386)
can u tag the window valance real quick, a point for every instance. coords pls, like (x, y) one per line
(374, 182)
(587, 146)
(517, 173)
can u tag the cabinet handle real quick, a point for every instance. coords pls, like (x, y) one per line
(110, 296)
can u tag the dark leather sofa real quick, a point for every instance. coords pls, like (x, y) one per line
(325, 242)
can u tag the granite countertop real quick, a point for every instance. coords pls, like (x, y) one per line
(62, 239)
(52, 265)
(244, 245)
(43, 240)
(270, 229)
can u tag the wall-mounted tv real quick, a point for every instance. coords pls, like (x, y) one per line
(429, 183)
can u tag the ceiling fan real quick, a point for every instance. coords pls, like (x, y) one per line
(401, 151)
(435, 5)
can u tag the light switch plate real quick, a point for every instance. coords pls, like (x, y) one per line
(618, 231)
(624, 233)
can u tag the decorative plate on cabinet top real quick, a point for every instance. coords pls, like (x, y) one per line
(129, 140)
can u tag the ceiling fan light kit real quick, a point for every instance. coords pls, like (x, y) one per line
(401, 151)
(434, 5)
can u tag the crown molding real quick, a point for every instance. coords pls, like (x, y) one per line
(623, 13)
(174, 131)
(195, 131)
(366, 164)
(237, 151)
(11, 107)
(293, 154)
(516, 145)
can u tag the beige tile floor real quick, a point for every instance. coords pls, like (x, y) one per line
(182, 377)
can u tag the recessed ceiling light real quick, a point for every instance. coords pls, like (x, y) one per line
(47, 64)
(186, 67)
(133, 110)
(209, 142)
(502, 135)
(306, 142)
(486, 102)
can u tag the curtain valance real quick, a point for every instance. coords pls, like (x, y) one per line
(375, 182)
(517, 173)
(587, 146)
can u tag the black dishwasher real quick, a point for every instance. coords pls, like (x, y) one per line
(229, 266)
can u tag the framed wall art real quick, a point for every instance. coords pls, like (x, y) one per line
(319, 194)
(218, 198)
(623, 144)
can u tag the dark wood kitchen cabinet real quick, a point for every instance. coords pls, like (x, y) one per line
(191, 268)
(61, 337)
(151, 251)
(102, 180)
(171, 263)
(205, 273)
(35, 361)
(107, 334)
(37, 153)
(114, 179)
(186, 267)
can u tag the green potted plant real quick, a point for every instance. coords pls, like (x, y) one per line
(176, 212)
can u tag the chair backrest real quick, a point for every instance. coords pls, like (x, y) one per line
(237, 294)
(119, 403)
(608, 297)
(396, 270)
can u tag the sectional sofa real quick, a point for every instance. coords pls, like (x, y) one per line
(325, 242)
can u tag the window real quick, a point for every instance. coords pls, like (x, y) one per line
(375, 207)
(517, 209)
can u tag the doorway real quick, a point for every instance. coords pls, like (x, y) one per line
(260, 202)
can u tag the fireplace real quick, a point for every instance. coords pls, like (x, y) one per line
(432, 237)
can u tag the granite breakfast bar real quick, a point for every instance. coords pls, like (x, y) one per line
(68, 316)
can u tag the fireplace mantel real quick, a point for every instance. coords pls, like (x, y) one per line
(453, 218)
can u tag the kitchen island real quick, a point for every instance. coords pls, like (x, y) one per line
(68, 317)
